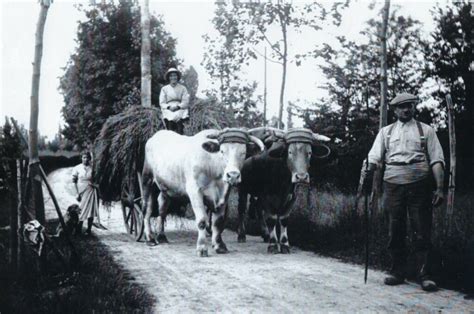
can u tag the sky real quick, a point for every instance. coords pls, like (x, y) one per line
(187, 21)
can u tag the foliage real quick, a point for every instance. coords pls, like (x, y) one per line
(242, 26)
(10, 150)
(451, 65)
(352, 72)
(223, 60)
(103, 76)
(191, 81)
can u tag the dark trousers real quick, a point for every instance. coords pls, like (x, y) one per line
(176, 126)
(413, 199)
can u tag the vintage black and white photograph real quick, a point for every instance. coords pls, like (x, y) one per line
(236, 156)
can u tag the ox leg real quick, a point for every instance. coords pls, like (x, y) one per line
(241, 237)
(218, 221)
(284, 244)
(147, 179)
(273, 241)
(163, 203)
(263, 223)
(196, 198)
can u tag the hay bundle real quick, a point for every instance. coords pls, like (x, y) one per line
(208, 114)
(120, 148)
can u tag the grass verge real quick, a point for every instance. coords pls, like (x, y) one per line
(98, 284)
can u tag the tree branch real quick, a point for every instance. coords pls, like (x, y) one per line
(270, 43)
(271, 60)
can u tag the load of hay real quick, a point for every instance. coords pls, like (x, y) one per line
(120, 148)
(208, 113)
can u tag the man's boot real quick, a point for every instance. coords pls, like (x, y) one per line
(397, 271)
(427, 284)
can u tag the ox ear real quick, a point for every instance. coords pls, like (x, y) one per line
(211, 146)
(320, 151)
(278, 150)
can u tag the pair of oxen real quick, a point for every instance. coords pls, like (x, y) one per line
(266, 163)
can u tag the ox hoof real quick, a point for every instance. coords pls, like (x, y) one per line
(221, 249)
(162, 238)
(202, 253)
(284, 249)
(151, 242)
(242, 238)
(272, 249)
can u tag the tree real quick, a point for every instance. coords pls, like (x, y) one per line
(226, 54)
(103, 76)
(451, 64)
(352, 71)
(289, 18)
(191, 81)
(246, 25)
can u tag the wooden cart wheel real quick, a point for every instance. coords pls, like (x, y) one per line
(132, 214)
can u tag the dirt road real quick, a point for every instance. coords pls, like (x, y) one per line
(248, 279)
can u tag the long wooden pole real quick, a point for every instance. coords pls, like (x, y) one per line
(452, 160)
(36, 203)
(265, 89)
(383, 65)
(145, 55)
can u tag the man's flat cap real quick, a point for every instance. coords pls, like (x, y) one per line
(403, 98)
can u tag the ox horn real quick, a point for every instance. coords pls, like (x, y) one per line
(257, 141)
(318, 146)
(320, 137)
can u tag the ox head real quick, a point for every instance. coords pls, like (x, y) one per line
(234, 145)
(298, 146)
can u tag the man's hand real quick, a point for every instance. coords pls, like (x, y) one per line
(438, 197)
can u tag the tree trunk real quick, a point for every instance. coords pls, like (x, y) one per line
(383, 65)
(36, 201)
(283, 78)
(145, 55)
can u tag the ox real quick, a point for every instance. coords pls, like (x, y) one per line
(200, 167)
(279, 179)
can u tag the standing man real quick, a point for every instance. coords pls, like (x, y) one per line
(174, 102)
(410, 152)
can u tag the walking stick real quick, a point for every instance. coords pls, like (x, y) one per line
(366, 199)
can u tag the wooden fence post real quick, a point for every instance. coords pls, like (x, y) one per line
(13, 215)
(452, 162)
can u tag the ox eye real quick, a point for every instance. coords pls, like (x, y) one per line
(310, 153)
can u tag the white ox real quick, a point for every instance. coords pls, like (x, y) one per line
(201, 167)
